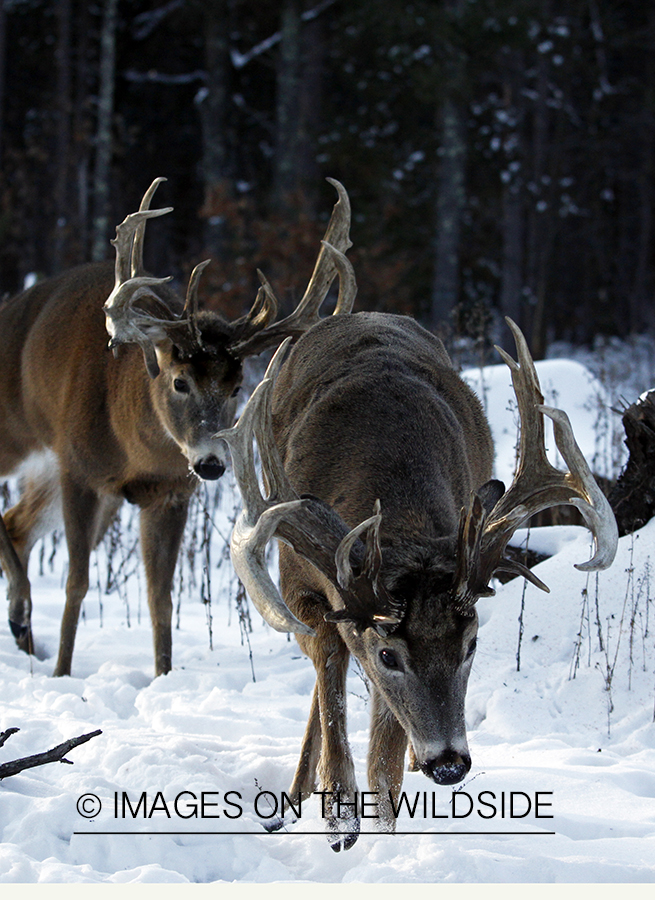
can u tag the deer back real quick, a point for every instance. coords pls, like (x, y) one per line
(370, 407)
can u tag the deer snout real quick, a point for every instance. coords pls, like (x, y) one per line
(450, 767)
(209, 468)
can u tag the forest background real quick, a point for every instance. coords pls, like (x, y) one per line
(499, 154)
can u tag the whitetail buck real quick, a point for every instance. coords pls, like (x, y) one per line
(136, 424)
(377, 461)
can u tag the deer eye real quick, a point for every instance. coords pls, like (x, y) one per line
(181, 386)
(471, 649)
(236, 390)
(389, 659)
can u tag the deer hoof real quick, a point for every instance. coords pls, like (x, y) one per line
(22, 635)
(342, 833)
(278, 822)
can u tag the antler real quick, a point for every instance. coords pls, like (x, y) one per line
(537, 485)
(314, 530)
(331, 261)
(126, 324)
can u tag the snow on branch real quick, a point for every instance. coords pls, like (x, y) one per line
(239, 60)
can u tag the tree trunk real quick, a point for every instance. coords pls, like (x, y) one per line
(642, 314)
(633, 496)
(82, 131)
(63, 140)
(287, 114)
(511, 289)
(213, 117)
(2, 78)
(104, 145)
(538, 239)
(310, 108)
(512, 300)
(451, 186)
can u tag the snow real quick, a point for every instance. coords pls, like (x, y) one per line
(571, 732)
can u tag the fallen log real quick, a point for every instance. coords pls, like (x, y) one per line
(633, 496)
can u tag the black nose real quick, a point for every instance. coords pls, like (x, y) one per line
(448, 768)
(210, 468)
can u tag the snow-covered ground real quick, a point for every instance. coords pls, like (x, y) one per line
(565, 740)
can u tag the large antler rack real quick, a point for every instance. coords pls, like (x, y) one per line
(129, 324)
(331, 262)
(314, 530)
(253, 333)
(537, 485)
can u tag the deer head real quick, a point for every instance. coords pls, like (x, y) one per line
(193, 358)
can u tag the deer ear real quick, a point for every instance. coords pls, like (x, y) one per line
(490, 493)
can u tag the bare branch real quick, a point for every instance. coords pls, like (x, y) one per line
(57, 754)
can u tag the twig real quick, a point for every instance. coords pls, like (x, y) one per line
(57, 754)
(5, 735)
(522, 612)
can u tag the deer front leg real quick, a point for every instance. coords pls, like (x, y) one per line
(335, 768)
(80, 506)
(386, 755)
(304, 781)
(162, 528)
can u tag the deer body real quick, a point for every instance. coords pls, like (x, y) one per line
(139, 423)
(377, 461)
(114, 434)
(369, 408)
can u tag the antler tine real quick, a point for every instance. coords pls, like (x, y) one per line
(537, 486)
(370, 528)
(592, 504)
(130, 282)
(123, 242)
(190, 311)
(330, 262)
(139, 233)
(347, 280)
(337, 237)
(338, 230)
(265, 307)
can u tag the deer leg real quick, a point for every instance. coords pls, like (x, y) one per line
(36, 513)
(162, 528)
(335, 767)
(18, 591)
(80, 507)
(304, 781)
(386, 756)
(325, 745)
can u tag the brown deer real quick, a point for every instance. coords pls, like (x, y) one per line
(136, 424)
(377, 462)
